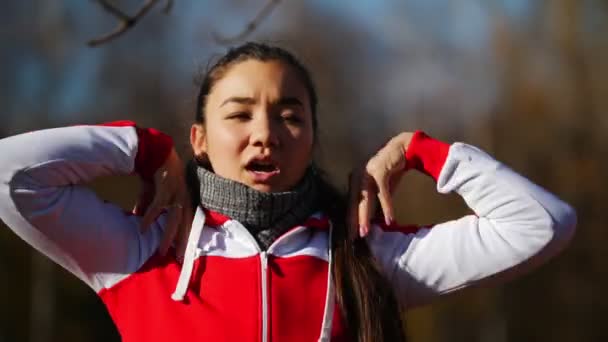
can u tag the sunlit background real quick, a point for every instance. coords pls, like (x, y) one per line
(525, 80)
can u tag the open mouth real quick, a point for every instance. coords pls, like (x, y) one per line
(262, 170)
(261, 167)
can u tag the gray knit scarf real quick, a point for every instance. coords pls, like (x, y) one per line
(266, 215)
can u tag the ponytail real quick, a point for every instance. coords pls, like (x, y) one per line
(364, 295)
(366, 298)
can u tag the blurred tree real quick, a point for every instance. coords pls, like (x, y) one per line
(527, 81)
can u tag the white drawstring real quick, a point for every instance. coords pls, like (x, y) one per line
(190, 255)
(328, 313)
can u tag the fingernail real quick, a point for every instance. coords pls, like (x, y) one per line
(363, 230)
(388, 220)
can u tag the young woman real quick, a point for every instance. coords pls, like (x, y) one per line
(270, 254)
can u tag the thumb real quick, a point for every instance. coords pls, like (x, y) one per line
(145, 197)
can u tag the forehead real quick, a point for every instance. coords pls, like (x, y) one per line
(253, 78)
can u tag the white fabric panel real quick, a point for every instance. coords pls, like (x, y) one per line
(517, 225)
(303, 241)
(41, 201)
(229, 240)
(232, 240)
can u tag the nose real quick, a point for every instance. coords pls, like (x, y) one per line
(264, 133)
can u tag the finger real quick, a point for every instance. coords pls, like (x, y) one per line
(367, 203)
(354, 194)
(149, 217)
(394, 180)
(155, 201)
(184, 226)
(157, 206)
(136, 209)
(146, 196)
(159, 202)
(384, 197)
(175, 214)
(143, 200)
(184, 233)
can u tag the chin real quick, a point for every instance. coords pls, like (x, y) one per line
(262, 187)
(266, 187)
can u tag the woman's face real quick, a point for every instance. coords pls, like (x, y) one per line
(258, 126)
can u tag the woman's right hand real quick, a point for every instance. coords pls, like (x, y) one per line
(168, 192)
(376, 181)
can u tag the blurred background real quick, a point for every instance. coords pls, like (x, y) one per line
(525, 80)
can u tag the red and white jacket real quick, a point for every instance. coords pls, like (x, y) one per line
(227, 288)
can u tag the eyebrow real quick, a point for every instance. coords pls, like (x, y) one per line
(283, 101)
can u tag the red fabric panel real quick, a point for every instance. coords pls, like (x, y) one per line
(222, 302)
(426, 154)
(297, 287)
(214, 219)
(318, 223)
(154, 147)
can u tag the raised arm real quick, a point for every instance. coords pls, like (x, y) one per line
(517, 225)
(42, 202)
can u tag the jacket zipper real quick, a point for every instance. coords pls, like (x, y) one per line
(264, 274)
(264, 263)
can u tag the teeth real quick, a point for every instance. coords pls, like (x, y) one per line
(259, 166)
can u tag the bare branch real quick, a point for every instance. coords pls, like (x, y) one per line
(119, 30)
(251, 26)
(125, 21)
(115, 11)
(144, 9)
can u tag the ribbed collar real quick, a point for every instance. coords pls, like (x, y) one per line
(267, 215)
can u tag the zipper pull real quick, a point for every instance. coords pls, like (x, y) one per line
(264, 257)
(264, 288)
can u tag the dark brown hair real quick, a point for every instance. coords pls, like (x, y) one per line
(365, 297)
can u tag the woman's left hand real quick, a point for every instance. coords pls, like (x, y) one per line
(169, 193)
(376, 182)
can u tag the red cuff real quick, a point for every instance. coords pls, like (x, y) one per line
(154, 147)
(426, 154)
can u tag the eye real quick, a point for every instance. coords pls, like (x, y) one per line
(239, 116)
(291, 118)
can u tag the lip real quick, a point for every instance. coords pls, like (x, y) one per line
(263, 176)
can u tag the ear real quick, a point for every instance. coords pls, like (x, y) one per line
(198, 139)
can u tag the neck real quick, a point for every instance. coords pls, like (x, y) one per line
(267, 215)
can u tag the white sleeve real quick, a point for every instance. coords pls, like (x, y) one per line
(517, 225)
(42, 202)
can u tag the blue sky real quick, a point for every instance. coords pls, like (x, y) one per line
(64, 79)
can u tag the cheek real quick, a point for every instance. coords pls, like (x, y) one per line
(302, 145)
(225, 142)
